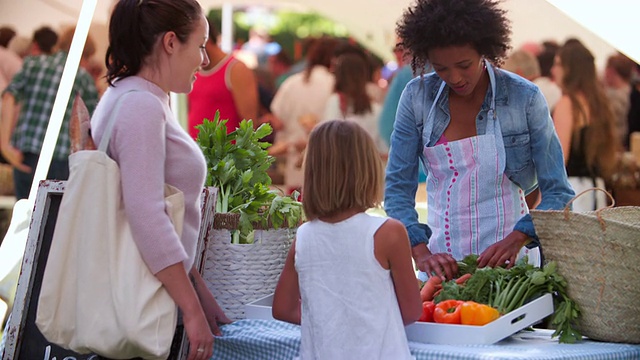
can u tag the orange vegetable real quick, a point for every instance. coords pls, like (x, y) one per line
(447, 312)
(473, 313)
(427, 311)
(462, 279)
(429, 288)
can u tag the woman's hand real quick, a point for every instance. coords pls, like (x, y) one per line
(441, 264)
(212, 310)
(15, 158)
(199, 334)
(504, 250)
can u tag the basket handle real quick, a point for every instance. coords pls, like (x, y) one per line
(602, 223)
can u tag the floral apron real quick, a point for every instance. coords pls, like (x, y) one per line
(471, 202)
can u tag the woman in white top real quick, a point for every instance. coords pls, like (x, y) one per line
(301, 97)
(350, 100)
(348, 278)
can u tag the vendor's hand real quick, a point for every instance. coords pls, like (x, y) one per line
(199, 334)
(441, 264)
(15, 158)
(504, 250)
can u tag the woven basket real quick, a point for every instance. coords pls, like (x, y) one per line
(598, 253)
(238, 274)
(6, 180)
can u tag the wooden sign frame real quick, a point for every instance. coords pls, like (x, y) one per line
(50, 194)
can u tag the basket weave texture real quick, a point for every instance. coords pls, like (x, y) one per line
(598, 253)
(238, 274)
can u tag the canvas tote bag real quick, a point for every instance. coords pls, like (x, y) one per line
(98, 295)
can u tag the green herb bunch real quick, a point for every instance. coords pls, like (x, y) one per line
(509, 289)
(237, 165)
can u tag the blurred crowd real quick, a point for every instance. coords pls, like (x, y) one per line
(594, 110)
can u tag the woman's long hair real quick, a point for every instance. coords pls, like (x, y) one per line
(351, 83)
(580, 79)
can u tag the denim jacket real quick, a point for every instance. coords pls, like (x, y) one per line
(532, 148)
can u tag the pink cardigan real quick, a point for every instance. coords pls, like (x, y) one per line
(152, 149)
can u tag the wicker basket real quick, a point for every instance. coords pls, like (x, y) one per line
(238, 274)
(599, 255)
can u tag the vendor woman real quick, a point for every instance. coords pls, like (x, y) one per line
(484, 136)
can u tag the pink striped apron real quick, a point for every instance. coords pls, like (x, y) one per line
(471, 202)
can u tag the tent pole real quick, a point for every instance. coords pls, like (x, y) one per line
(226, 31)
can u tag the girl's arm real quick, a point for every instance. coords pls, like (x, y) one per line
(286, 300)
(393, 251)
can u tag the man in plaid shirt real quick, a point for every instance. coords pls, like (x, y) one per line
(35, 88)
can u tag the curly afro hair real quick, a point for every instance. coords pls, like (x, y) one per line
(430, 24)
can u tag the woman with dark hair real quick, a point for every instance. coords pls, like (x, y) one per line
(585, 124)
(157, 46)
(484, 136)
(351, 101)
(300, 101)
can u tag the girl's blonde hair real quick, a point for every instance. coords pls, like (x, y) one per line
(342, 170)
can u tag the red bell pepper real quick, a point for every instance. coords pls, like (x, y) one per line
(427, 311)
(447, 312)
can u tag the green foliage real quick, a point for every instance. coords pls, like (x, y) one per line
(509, 289)
(237, 165)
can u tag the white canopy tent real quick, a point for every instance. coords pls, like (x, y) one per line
(602, 26)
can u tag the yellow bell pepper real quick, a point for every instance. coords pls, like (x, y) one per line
(473, 313)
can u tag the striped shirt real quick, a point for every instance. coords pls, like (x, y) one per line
(35, 87)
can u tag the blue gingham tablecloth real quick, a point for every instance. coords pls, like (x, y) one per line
(270, 339)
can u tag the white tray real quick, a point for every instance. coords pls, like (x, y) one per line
(505, 326)
(259, 309)
(433, 333)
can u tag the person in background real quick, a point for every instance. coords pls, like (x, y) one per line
(300, 100)
(522, 63)
(224, 84)
(6, 34)
(348, 278)
(21, 45)
(484, 136)
(372, 66)
(45, 39)
(633, 119)
(585, 124)
(350, 100)
(545, 82)
(617, 83)
(399, 80)
(34, 89)
(10, 64)
(525, 64)
(279, 64)
(157, 47)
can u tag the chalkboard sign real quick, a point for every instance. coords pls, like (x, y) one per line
(23, 339)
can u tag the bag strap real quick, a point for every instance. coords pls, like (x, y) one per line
(106, 136)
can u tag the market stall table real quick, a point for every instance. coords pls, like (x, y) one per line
(270, 339)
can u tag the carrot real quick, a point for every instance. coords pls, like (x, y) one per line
(462, 279)
(437, 293)
(430, 287)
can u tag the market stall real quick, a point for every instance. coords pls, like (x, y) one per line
(272, 339)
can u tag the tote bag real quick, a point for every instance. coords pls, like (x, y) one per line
(98, 295)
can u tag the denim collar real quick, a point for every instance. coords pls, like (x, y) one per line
(502, 95)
